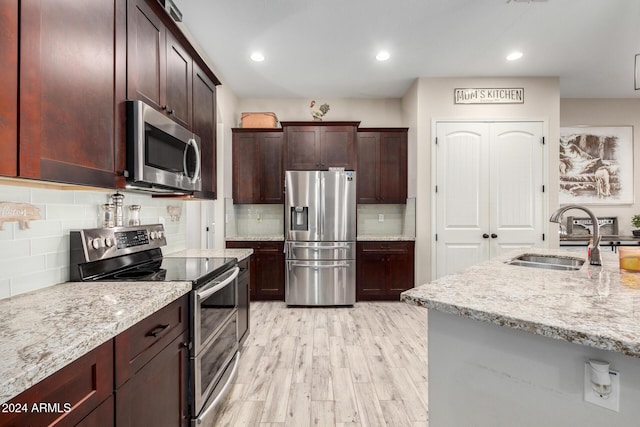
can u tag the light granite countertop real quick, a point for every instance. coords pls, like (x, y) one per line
(240, 254)
(597, 306)
(386, 238)
(44, 330)
(256, 238)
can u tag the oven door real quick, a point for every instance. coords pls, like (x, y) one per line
(213, 304)
(213, 370)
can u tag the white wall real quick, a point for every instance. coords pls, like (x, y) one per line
(431, 99)
(608, 112)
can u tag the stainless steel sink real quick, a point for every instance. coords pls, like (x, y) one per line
(549, 262)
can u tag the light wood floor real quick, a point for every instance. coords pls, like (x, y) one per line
(360, 366)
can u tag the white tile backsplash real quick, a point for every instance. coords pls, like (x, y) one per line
(254, 220)
(398, 219)
(38, 257)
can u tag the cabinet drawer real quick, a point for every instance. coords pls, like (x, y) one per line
(386, 247)
(137, 345)
(70, 394)
(258, 246)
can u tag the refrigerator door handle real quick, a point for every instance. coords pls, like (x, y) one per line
(335, 265)
(322, 207)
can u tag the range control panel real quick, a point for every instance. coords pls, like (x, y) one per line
(103, 243)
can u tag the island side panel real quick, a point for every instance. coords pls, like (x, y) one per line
(482, 374)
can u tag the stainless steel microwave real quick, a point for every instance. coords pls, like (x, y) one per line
(161, 155)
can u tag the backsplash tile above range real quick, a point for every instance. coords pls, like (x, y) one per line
(38, 256)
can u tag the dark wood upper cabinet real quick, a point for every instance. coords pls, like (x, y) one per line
(178, 85)
(382, 165)
(9, 92)
(71, 85)
(159, 67)
(257, 166)
(204, 125)
(320, 145)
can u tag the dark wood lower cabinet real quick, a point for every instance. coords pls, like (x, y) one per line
(244, 295)
(157, 394)
(267, 269)
(385, 269)
(148, 365)
(68, 396)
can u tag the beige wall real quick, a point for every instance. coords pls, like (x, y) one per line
(608, 112)
(434, 101)
(369, 112)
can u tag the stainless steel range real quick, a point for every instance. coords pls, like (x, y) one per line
(134, 254)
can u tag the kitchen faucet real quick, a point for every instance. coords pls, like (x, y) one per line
(594, 247)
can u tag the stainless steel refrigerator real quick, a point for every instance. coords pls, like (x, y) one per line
(320, 234)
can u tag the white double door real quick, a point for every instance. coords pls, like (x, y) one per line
(489, 191)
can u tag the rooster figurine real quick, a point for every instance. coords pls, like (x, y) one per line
(318, 114)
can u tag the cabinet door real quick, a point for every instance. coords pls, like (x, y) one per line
(245, 168)
(368, 145)
(9, 92)
(67, 78)
(83, 385)
(146, 54)
(178, 84)
(244, 281)
(371, 275)
(393, 167)
(303, 147)
(400, 269)
(271, 179)
(270, 274)
(157, 394)
(204, 125)
(337, 147)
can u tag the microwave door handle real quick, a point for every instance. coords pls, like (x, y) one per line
(196, 175)
(208, 292)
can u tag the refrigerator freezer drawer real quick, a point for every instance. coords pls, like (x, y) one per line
(320, 250)
(320, 282)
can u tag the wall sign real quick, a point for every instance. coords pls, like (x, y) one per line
(509, 95)
(21, 212)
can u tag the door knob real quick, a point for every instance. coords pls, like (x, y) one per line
(494, 235)
(485, 236)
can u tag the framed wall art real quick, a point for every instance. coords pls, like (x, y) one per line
(596, 165)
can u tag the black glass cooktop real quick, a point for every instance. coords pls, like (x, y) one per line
(196, 270)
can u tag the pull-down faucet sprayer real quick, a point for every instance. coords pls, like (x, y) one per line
(594, 247)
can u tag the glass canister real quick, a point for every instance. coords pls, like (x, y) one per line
(118, 201)
(134, 215)
(107, 215)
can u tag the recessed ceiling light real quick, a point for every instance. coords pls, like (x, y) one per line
(514, 56)
(257, 57)
(383, 55)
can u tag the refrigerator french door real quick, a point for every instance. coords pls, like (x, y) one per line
(320, 224)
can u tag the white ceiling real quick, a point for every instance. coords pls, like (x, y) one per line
(326, 48)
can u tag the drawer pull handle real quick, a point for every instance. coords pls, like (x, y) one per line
(157, 330)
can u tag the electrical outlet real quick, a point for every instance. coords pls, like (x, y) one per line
(612, 401)
(380, 217)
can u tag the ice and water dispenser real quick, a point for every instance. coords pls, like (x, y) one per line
(299, 218)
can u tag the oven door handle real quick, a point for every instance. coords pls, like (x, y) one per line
(206, 293)
(223, 392)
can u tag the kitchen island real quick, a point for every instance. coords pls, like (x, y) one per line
(508, 344)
